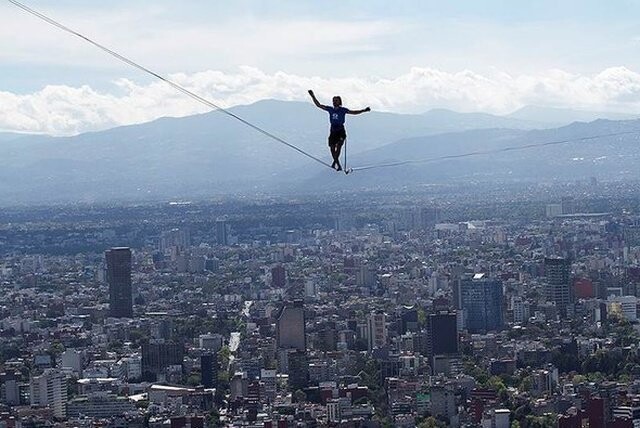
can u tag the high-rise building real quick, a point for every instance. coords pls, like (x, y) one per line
(72, 358)
(269, 379)
(278, 276)
(50, 389)
(557, 271)
(553, 210)
(175, 238)
(568, 205)
(222, 232)
(409, 320)
(443, 404)
(442, 334)
(298, 370)
(376, 330)
(119, 280)
(9, 389)
(290, 327)
(429, 216)
(209, 369)
(366, 275)
(481, 299)
(157, 355)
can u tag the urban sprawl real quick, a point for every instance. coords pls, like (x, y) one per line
(510, 308)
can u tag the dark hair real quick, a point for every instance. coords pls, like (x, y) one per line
(339, 99)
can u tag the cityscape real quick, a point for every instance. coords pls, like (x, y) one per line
(378, 310)
(304, 214)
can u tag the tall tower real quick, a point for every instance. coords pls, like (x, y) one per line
(377, 330)
(298, 370)
(119, 279)
(157, 355)
(429, 216)
(209, 368)
(557, 287)
(278, 276)
(290, 328)
(481, 299)
(442, 334)
(222, 232)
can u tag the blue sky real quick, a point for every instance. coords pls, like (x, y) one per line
(401, 56)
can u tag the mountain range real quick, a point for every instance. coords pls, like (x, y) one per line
(212, 154)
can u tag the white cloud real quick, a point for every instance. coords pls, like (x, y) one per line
(64, 110)
(155, 39)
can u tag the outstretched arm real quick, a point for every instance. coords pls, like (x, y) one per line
(364, 110)
(315, 100)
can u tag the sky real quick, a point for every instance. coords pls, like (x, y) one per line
(405, 57)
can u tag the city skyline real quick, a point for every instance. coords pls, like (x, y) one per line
(470, 259)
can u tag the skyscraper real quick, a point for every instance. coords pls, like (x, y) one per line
(157, 355)
(290, 327)
(175, 238)
(222, 232)
(481, 299)
(209, 369)
(278, 276)
(429, 216)
(409, 320)
(376, 330)
(442, 334)
(298, 370)
(119, 280)
(557, 271)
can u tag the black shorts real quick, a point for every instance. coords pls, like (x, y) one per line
(337, 136)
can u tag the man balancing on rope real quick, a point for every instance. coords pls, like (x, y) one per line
(337, 135)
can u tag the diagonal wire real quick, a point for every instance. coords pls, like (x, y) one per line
(488, 152)
(166, 80)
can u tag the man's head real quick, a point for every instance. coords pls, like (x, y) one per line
(337, 101)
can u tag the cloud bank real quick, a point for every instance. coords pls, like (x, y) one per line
(65, 110)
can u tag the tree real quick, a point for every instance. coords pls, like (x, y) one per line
(299, 396)
(213, 418)
(546, 421)
(193, 380)
(431, 422)
(224, 354)
(422, 317)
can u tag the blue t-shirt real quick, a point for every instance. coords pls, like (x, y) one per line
(336, 116)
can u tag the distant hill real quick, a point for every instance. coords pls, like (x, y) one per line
(614, 157)
(11, 136)
(451, 121)
(212, 154)
(560, 116)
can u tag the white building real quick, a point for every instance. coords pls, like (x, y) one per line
(50, 389)
(100, 406)
(521, 311)
(310, 288)
(333, 411)
(498, 418)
